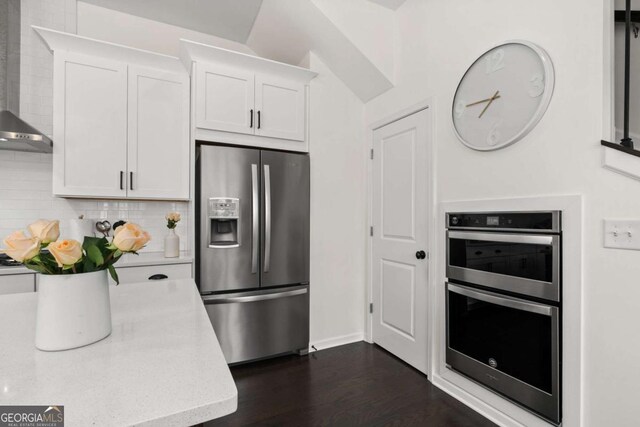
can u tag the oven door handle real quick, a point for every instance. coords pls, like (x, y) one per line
(502, 300)
(498, 237)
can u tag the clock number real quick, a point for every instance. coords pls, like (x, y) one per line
(494, 135)
(459, 108)
(495, 61)
(537, 85)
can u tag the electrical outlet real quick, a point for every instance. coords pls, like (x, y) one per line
(622, 234)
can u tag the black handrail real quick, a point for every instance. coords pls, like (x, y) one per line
(626, 140)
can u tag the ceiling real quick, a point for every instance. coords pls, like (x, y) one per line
(229, 19)
(390, 4)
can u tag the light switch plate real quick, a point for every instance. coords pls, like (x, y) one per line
(622, 233)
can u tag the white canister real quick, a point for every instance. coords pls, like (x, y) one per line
(79, 228)
(74, 310)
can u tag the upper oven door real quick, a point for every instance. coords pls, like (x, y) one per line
(527, 264)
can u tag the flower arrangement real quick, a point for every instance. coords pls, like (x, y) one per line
(42, 251)
(173, 218)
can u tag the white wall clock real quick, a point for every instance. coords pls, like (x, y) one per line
(503, 95)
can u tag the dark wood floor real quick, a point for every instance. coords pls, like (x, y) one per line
(353, 385)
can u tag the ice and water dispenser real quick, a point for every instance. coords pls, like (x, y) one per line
(223, 221)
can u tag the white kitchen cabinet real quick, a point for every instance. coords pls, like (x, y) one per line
(246, 100)
(90, 126)
(280, 108)
(152, 272)
(121, 121)
(158, 143)
(226, 100)
(17, 283)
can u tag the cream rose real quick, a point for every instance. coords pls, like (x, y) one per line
(66, 252)
(46, 231)
(130, 237)
(20, 247)
(173, 216)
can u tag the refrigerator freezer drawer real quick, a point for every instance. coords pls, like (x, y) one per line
(257, 324)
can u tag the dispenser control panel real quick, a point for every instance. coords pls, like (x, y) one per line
(224, 208)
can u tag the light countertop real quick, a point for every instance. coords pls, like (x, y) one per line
(152, 258)
(128, 260)
(161, 365)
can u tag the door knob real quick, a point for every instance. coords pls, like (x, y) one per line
(421, 254)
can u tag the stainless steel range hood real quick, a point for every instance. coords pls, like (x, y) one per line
(17, 135)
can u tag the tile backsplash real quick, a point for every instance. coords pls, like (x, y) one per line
(25, 196)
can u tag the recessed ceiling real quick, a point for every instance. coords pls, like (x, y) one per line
(229, 19)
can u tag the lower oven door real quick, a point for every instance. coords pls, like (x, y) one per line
(507, 344)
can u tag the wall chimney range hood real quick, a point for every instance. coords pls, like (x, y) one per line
(17, 135)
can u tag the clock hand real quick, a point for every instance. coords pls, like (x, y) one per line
(480, 102)
(495, 95)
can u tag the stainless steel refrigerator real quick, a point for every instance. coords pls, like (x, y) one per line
(252, 257)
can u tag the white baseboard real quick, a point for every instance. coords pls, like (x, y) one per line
(473, 402)
(336, 341)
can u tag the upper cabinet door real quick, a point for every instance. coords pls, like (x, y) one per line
(158, 134)
(280, 108)
(224, 99)
(90, 126)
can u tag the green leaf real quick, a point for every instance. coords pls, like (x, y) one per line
(95, 255)
(114, 275)
(37, 267)
(89, 266)
(91, 241)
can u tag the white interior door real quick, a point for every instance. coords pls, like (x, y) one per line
(158, 134)
(400, 218)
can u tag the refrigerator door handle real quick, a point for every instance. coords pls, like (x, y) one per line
(267, 218)
(255, 218)
(221, 299)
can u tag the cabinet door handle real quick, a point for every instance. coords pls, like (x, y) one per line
(251, 118)
(258, 119)
(130, 180)
(122, 180)
(158, 277)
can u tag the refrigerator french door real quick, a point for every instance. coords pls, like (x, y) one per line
(253, 251)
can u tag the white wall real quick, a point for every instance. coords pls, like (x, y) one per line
(439, 39)
(36, 62)
(117, 27)
(4, 36)
(338, 197)
(375, 39)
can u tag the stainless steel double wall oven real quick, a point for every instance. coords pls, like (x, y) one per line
(504, 295)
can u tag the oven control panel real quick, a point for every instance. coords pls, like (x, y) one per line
(517, 221)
